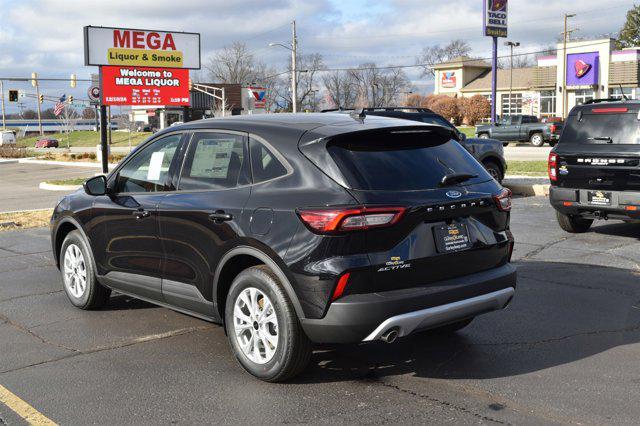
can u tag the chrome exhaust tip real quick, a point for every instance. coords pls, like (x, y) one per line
(390, 335)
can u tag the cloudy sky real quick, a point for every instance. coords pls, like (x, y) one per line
(46, 35)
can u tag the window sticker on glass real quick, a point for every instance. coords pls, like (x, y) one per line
(212, 158)
(155, 166)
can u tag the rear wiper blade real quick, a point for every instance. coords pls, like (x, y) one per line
(453, 178)
(606, 139)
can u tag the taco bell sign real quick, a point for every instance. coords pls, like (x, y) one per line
(582, 69)
(495, 18)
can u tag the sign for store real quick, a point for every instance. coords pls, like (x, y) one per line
(495, 18)
(145, 86)
(448, 79)
(259, 98)
(131, 47)
(582, 69)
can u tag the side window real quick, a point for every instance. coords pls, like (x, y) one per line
(148, 170)
(215, 161)
(264, 164)
(514, 119)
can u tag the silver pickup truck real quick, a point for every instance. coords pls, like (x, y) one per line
(521, 128)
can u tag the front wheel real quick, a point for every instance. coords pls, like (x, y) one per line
(536, 139)
(263, 328)
(573, 224)
(483, 136)
(78, 274)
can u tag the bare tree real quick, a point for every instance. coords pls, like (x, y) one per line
(309, 66)
(436, 54)
(378, 86)
(69, 119)
(233, 64)
(341, 88)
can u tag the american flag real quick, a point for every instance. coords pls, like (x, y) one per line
(59, 107)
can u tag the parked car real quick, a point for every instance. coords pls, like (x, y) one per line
(489, 152)
(46, 143)
(7, 137)
(291, 229)
(522, 128)
(594, 168)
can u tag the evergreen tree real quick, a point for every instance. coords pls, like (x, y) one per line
(630, 32)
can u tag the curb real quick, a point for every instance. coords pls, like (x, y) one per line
(64, 163)
(528, 190)
(50, 187)
(8, 161)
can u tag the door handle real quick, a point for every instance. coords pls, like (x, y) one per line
(141, 214)
(220, 216)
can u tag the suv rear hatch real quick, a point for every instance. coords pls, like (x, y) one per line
(446, 230)
(599, 149)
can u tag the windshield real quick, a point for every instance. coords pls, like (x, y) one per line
(401, 162)
(602, 128)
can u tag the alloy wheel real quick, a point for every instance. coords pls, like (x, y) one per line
(75, 271)
(255, 325)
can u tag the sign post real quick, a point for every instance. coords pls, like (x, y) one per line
(495, 25)
(139, 67)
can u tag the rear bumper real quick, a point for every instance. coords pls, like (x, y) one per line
(365, 317)
(572, 201)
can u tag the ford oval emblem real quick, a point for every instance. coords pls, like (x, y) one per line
(454, 194)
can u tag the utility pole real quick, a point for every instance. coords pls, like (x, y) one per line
(494, 79)
(511, 45)
(3, 119)
(564, 64)
(34, 82)
(294, 71)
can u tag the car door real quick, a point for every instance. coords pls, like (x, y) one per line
(203, 218)
(126, 222)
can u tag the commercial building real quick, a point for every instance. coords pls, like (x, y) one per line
(594, 70)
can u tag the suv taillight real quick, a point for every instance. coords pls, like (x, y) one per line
(334, 220)
(503, 200)
(553, 166)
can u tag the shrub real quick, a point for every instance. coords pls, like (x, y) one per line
(446, 106)
(475, 108)
(92, 156)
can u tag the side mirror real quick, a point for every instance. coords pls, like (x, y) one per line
(96, 185)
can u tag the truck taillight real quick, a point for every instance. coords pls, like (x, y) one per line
(335, 220)
(553, 128)
(553, 166)
(503, 200)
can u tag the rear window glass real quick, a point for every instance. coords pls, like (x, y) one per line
(401, 162)
(602, 128)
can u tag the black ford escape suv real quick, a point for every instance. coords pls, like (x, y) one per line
(292, 229)
(595, 168)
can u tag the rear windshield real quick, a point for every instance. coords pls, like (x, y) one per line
(401, 162)
(602, 128)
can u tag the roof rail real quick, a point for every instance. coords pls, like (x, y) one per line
(387, 108)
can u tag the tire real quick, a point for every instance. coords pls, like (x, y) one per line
(453, 327)
(483, 136)
(505, 144)
(552, 143)
(573, 224)
(292, 347)
(79, 274)
(536, 139)
(494, 170)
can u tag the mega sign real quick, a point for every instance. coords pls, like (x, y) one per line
(495, 18)
(144, 86)
(123, 46)
(582, 69)
(448, 79)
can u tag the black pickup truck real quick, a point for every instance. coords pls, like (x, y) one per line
(595, 167)
(521, 128)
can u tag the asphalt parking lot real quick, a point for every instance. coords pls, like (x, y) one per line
(565, 351)
(19, 184)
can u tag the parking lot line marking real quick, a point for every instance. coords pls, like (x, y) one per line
(22, 409)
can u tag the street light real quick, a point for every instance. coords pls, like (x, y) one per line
(294, 77)
(564, 63)
(511, 45)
